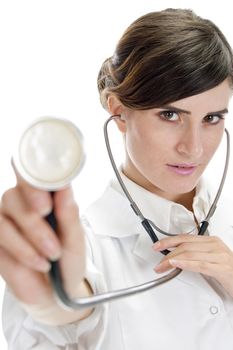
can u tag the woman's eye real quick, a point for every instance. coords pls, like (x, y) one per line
(213, 119)
(169, 115)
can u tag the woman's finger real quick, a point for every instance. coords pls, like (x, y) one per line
(33, 227)
(212, 258)
(71, 235)
(29, 286)
(172, 242)
(206, 246)
(38, 200)
(14, 243)
(218, 271)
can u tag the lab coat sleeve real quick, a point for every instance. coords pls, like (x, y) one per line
(24, 333)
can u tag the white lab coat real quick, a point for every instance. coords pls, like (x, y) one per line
(188, 313)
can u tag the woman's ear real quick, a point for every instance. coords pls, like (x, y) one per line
(115, 107)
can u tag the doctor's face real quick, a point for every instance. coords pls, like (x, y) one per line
(168, 148)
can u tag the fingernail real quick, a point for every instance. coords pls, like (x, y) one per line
(158, 268)
(44, 211)
(40, 203)
(68, 199)
(174, 262)
(41, 264)
(51, 250)
(156, 246)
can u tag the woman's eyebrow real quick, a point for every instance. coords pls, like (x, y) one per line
(176, 109)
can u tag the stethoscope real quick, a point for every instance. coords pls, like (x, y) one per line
(49, 154)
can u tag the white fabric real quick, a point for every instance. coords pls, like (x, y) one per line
(189, 312)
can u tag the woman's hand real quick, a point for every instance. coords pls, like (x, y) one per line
(203, 254)
(28, 243)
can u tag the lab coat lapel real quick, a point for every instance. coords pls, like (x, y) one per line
(221, 224)
(111, 215)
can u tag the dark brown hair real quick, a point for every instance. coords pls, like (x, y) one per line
(163, 57)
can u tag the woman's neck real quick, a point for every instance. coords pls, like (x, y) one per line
(185, 199)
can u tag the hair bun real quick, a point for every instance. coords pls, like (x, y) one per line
(105, 80)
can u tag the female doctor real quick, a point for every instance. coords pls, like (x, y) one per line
(169, 82)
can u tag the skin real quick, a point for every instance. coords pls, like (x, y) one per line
(190, 137)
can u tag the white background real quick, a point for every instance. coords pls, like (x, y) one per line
(50, 53)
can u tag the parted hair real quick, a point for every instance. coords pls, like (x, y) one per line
(163, 57)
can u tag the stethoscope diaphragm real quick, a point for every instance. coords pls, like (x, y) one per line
(49, 153)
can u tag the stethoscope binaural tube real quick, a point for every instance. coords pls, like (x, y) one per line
(34, 173)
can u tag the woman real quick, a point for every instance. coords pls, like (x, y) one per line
(169, 82)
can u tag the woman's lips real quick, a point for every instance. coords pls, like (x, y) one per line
(182, 169)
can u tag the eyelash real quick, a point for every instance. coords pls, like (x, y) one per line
(163, 115)
(220, 117)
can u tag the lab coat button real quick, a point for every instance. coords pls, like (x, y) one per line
(213, 310)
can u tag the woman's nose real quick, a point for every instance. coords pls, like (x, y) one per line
(190, 144)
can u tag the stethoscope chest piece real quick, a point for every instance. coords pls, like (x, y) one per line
(49, 153)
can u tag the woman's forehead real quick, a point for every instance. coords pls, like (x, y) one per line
(216, 99)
